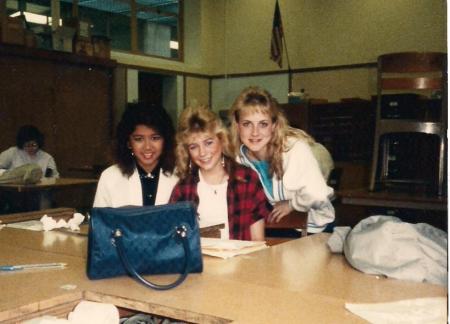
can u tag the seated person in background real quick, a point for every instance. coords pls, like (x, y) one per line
(27, 153)
(143, 173)
(28, 149)
(283, 157)
(223, 191)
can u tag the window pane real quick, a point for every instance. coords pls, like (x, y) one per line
(157, 25)
(12, 6)
(109, 18)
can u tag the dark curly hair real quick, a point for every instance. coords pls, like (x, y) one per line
(152, 116)
(29, 133)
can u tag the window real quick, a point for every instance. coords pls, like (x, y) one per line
(150, 27)
(157, 28)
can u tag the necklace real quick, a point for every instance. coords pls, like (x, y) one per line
(149, 176)
(216, 185)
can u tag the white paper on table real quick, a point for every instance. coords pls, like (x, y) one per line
(428, 310)
(47, 223)
(32, 225)
(229, 248)
(204, 224)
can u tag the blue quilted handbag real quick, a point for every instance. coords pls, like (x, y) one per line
(145, 240)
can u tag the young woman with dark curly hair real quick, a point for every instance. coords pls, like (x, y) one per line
(144, 171)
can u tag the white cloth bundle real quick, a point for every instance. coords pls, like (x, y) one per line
(387, 246)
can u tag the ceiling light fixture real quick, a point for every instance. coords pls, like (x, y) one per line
(36, 18)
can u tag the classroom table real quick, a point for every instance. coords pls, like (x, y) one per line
(412, 207)
(25, 196)
(297, 281)
(394, 199)
(47, 183)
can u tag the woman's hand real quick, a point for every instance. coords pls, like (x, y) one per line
(281, 209)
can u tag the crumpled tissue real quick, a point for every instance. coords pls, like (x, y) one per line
(48, 223)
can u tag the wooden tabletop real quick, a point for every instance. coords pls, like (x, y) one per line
(297, 281)
(392, 199)
(47, 183)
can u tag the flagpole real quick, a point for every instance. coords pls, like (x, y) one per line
(289, 65)
(276, 46)
(287, 58)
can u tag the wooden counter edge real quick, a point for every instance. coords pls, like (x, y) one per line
(61, 305)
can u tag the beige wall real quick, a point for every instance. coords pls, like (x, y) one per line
(337, 84)
(327, 33)
(197, 91)
(331, 32)
(233, 36)
(213, 36)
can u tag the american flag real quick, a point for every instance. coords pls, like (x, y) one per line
(276, 45)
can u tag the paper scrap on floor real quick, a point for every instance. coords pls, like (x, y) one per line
(229, 248)
(421, 310)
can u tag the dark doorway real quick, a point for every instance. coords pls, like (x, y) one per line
(150, 88)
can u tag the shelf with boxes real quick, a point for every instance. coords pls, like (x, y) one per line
(73, 37)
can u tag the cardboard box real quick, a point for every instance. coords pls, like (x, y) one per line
(30, 39)
(83, 47)
(63, 39)
(13, 31)
(82, 27)
(102, 46)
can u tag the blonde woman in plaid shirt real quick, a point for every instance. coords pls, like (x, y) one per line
(222, 190)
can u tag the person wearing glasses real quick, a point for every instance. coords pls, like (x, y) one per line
(26, 160)
(28, 150)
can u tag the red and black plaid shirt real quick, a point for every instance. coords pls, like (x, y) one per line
(246, 200)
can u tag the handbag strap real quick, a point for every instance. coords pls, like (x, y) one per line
(181, 232)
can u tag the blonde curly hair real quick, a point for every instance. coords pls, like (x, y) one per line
(194, 120)
(257, 100)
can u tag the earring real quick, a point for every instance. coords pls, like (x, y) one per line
(132, 154)
(223, 161)
(190, 165)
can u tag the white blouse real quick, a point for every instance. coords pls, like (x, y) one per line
(213, 208)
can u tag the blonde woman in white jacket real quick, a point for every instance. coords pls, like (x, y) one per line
(285, 158)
